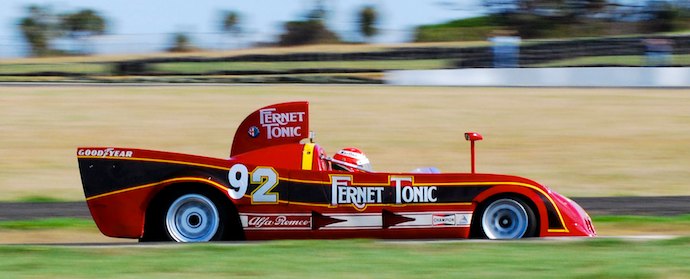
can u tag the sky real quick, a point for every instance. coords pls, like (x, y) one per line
(139, 26)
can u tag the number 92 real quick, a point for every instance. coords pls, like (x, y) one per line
(266, 177)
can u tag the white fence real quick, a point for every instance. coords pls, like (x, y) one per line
(546, 77)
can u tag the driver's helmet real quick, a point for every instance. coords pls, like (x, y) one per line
(349, 158)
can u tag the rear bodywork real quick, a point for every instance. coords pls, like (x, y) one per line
(279, 186)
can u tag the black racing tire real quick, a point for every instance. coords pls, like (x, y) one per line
(506, 217)
(190, 216)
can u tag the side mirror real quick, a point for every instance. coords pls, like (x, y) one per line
(472, 137)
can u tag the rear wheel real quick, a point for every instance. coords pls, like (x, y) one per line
(507, 218)
(191, 215)
(193, 218)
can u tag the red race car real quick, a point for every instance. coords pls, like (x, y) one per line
(278, 184)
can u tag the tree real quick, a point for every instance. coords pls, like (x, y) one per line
(41, 26)
(181, 43)
(550, 8)
(367, 21)
(38, 28)
(231, 23)
(311, 30)
(307, 32)
(82, 24)
(86, 22)
(319, 12)
(662, 16)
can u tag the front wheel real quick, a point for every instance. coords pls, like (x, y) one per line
(508, 218)
(194, 218)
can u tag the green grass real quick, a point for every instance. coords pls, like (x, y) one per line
(467, 29)
(35, 198)
(189, 67)
(81, 68)
(449, 34)
(358, 258)
(590, 258)
(202, 67)
(634, 219)
(479, 21)
(48, 223)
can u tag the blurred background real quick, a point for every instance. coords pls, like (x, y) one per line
(583, 142)
(329, 40)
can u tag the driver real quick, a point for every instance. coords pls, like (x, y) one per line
(351, 159)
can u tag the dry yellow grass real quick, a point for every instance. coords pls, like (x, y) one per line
(581, 142)
(53, 236)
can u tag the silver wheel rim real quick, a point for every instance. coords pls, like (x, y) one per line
(505, 219)
(192, 218)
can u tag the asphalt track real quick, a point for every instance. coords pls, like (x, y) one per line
(651, 206)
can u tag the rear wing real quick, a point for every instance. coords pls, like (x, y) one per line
(283, 123)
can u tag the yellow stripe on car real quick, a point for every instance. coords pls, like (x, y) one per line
(307, 156)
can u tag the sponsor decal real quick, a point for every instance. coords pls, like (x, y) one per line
(278, 221)
(343, 192)
(254, 131)
(281, 124)
(391, 220)
(410, 193)
(463, 219)
(108, 152)
(443, 219)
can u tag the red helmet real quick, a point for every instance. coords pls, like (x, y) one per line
(351, 159)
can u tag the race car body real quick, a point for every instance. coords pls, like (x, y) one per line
(277, 185)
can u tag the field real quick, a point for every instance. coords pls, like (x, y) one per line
(594, 258)
(581, 142)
